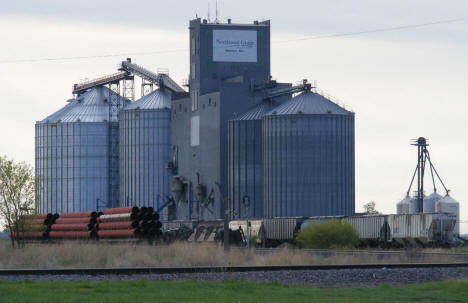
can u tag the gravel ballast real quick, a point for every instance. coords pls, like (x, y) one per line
(328, 278)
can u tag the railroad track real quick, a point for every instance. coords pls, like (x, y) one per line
(218, 269)
(458, 257)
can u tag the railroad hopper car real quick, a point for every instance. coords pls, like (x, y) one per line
(372, 230)
(429, 229)
(396, 230)
(422, 229)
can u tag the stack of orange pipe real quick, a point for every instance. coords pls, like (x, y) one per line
(119, 222)
(34, 227)
(78, 225)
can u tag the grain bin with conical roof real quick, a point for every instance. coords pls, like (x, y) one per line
(451, 206)
(72, 161)
(145, 148)
(245, 162)
(414, 204)
(430, 201)
(404, 205)
(308, 158)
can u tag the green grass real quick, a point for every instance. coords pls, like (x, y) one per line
(226, 291)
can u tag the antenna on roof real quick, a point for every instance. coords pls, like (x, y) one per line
(216, 20)
(209, 21)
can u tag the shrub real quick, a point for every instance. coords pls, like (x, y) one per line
(255, 242)
(329, 234)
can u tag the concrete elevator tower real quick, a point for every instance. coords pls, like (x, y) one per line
(229, 69)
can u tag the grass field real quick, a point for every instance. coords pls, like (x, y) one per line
(91, 255)
(226, 291)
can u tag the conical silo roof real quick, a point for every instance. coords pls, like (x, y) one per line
(91, 106)
(448, 199)
(308, 103)
(256, 112)
(55, 117)
(154, 100)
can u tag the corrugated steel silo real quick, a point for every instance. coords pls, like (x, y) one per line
(450, 206)
(245, 180)
(414, 205)
(430, 201)
(308, 158)
(404, 205)
(145, 148)
(72, 155)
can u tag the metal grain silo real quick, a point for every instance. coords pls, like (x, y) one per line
(450, 206)
(73, 162)
(308, 158)
(404, 205)
(145, 148)
(430, 201)
(245, 180)
(414, 205)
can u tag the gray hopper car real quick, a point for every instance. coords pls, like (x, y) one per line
(399, 230)
(430, 229)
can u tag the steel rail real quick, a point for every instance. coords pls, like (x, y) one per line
(359, 252)
(217, 269)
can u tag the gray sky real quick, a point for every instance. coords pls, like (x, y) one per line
(401, 84)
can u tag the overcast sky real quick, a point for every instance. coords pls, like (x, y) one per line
(401, 84)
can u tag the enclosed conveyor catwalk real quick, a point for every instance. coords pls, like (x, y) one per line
(112, 78)
(160, 79)
(269, 94)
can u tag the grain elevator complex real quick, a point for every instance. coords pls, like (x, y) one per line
(233, 142)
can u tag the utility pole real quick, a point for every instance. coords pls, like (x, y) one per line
(246, 202)
(225, 205)
(226, 226)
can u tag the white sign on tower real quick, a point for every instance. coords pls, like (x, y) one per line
(234, 46)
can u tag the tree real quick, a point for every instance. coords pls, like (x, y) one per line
(17, 196)
(328, 234)
(369, 208)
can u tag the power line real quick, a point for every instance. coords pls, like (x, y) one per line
(386, 29)
(93, 56)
